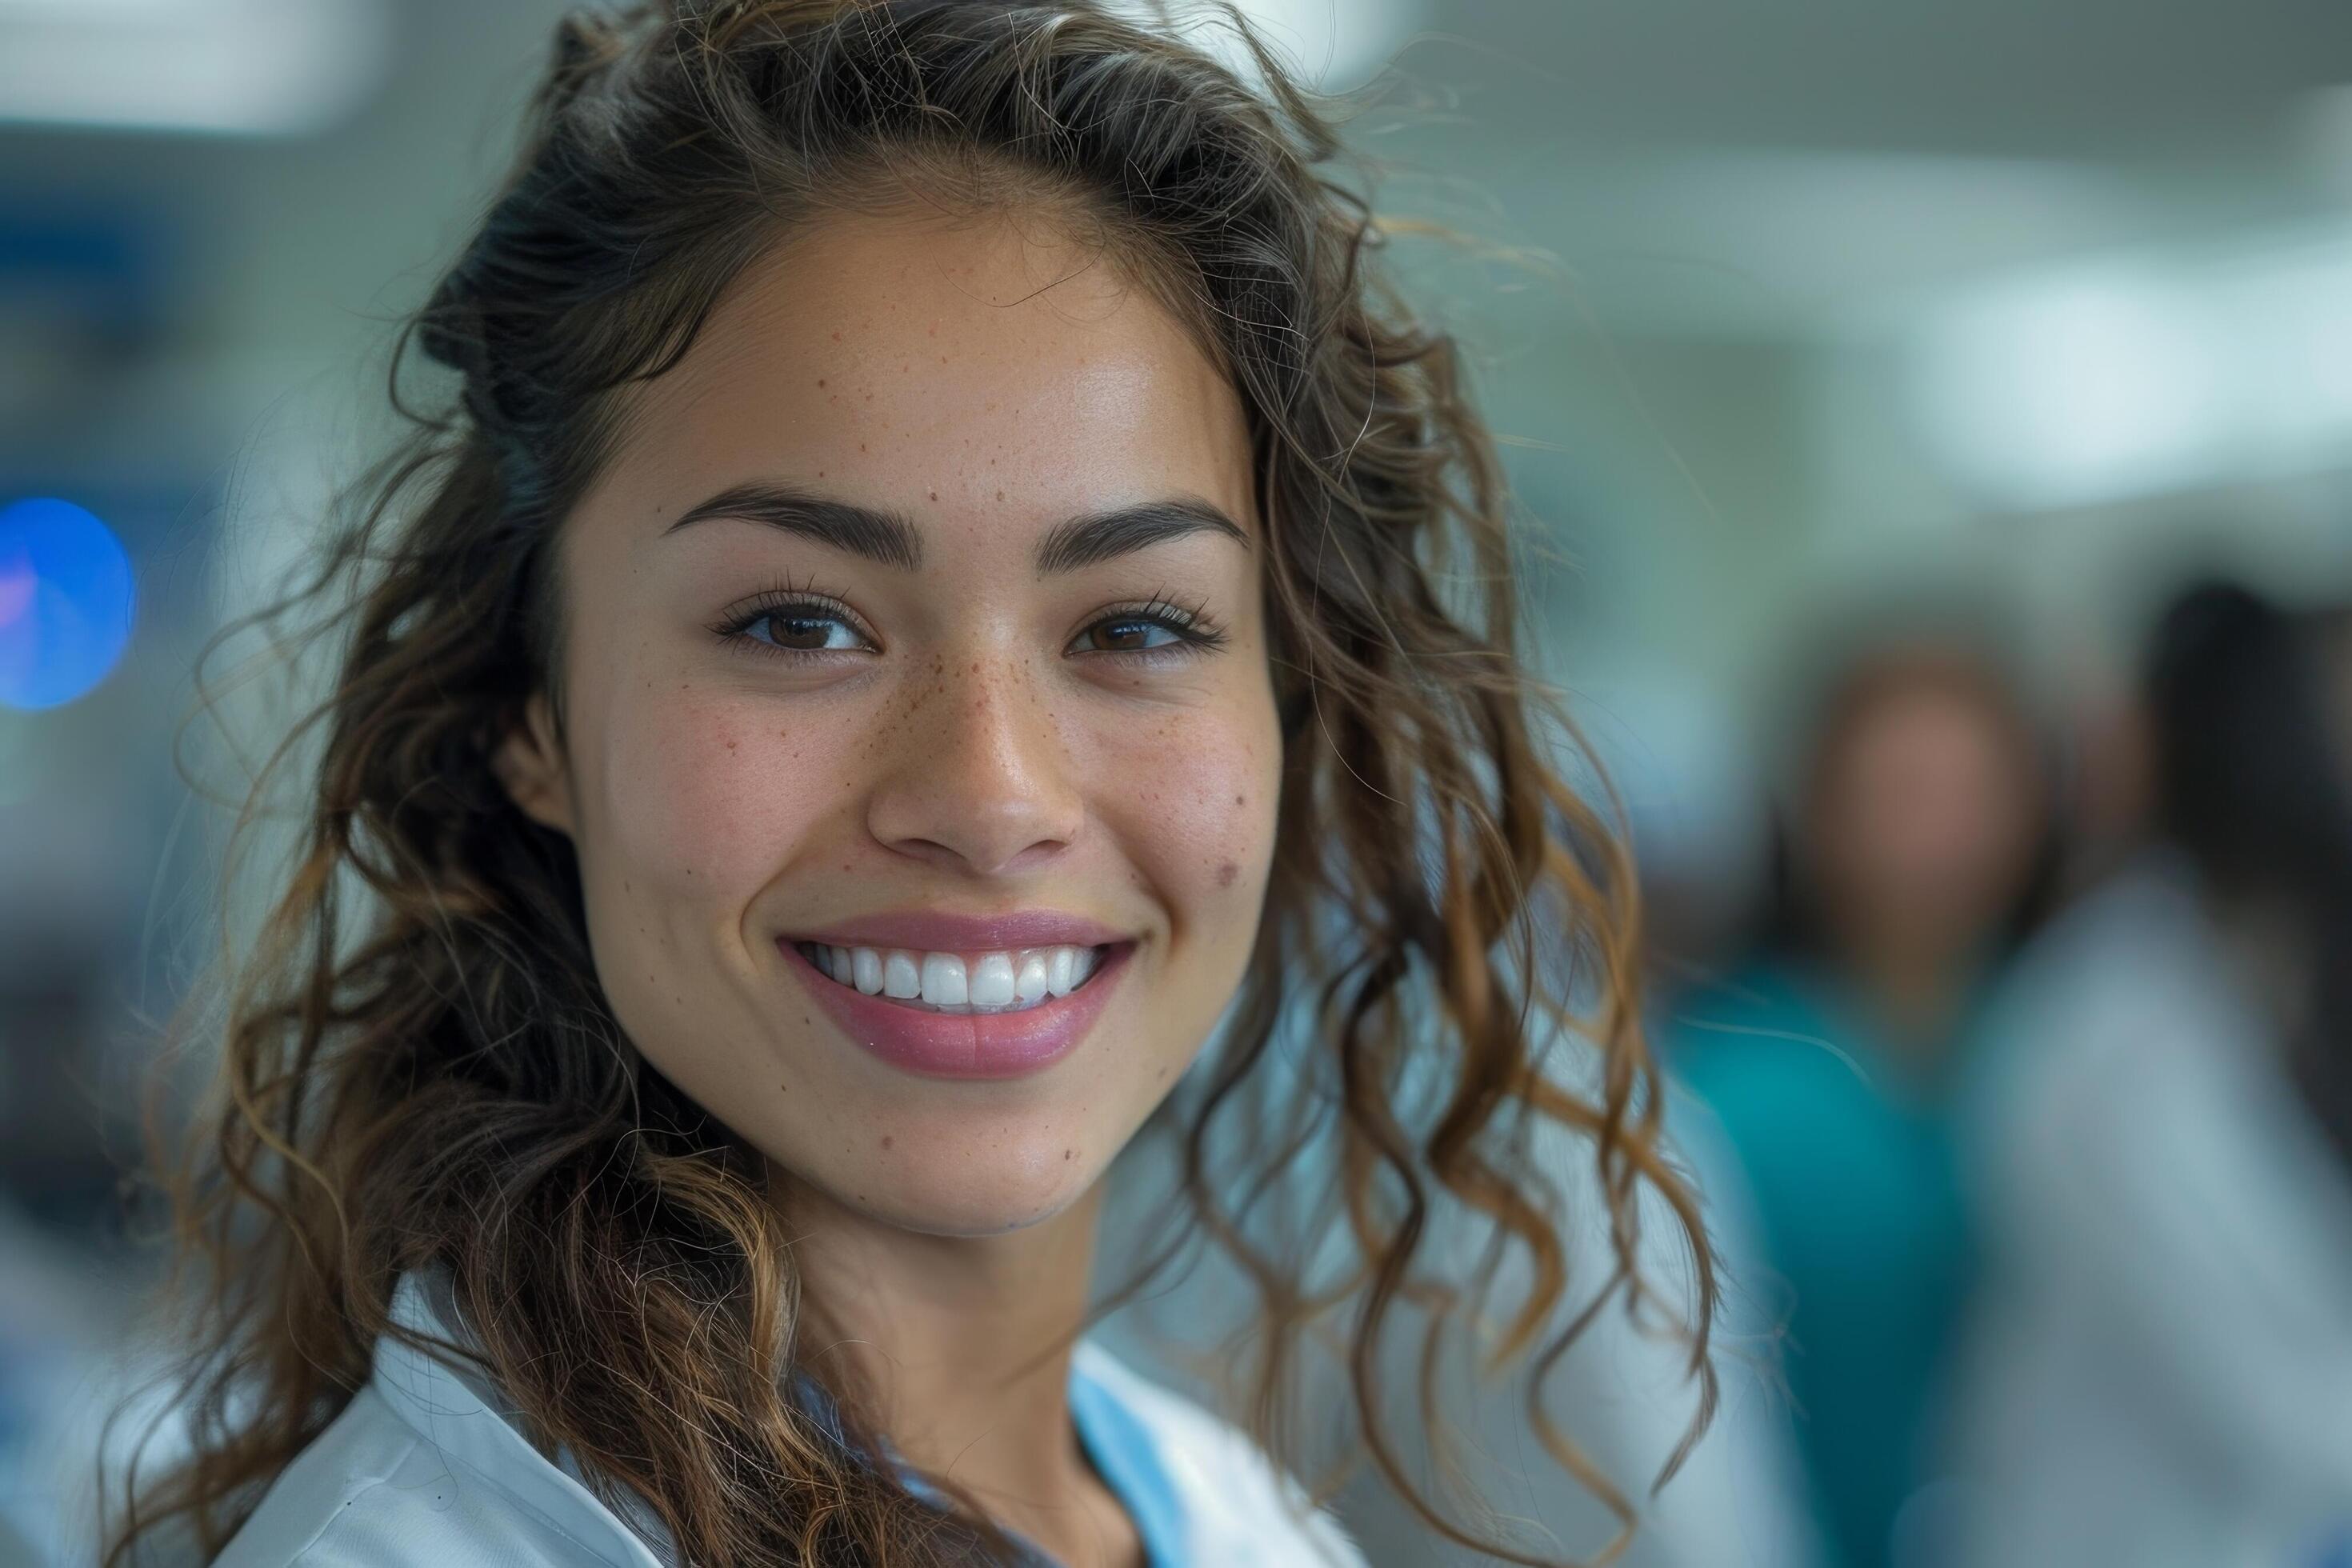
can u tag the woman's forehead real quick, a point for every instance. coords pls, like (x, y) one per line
(917, 366)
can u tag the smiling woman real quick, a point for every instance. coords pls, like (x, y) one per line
(925, 615)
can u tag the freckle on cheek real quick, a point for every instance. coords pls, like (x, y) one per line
(1226, 873)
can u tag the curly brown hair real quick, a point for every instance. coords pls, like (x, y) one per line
(432, 1076)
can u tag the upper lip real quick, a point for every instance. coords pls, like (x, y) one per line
(938, 930)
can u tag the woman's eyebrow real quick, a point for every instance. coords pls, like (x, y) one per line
(876, 534)
(890, 538)
(1097, 536)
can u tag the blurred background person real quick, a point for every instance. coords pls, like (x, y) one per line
(2162, 1370)
(1912, 859)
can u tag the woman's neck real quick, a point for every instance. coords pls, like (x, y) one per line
(962, 1344)
(1915, 985)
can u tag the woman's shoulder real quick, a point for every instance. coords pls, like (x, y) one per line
(371, 1492)
(424, 1466)
(1231, 1504)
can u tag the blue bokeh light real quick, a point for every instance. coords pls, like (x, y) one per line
(65, 601)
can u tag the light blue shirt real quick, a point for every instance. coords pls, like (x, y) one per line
(425, 1466)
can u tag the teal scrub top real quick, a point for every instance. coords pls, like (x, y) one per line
(1866, 1232)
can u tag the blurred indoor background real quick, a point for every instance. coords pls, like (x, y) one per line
(1884, 381)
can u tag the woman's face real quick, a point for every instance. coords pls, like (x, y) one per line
(1925, 819)
(878, 632)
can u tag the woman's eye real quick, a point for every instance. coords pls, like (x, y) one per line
(1131, 634)
(1161, 630)
(804, 633)
(785, 628)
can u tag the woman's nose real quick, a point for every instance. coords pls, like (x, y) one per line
(979, 775)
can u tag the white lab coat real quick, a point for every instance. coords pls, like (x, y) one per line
(2161, 1372)
(424, 1469)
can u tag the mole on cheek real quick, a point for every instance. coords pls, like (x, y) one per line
(1226, 873)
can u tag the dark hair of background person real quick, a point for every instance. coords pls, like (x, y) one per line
(432, 1075)
(2251, 784)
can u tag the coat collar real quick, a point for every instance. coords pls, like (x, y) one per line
(452, 1407)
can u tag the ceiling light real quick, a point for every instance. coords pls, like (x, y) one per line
(1333, 44)
(226, 67)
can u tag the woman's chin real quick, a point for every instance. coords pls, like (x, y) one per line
(985, 1192)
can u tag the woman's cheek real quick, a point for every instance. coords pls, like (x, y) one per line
(712, 792)
(1197, 788)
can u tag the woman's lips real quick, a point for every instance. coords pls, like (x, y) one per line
(964, 1045)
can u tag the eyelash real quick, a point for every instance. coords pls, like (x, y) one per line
(1198, 634)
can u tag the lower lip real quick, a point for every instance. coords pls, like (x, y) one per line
(965, 1045)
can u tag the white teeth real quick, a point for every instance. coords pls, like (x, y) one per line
(1032, 985)
(943, 979)
(992, 982)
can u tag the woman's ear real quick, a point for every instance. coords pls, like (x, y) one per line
(529, 764)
